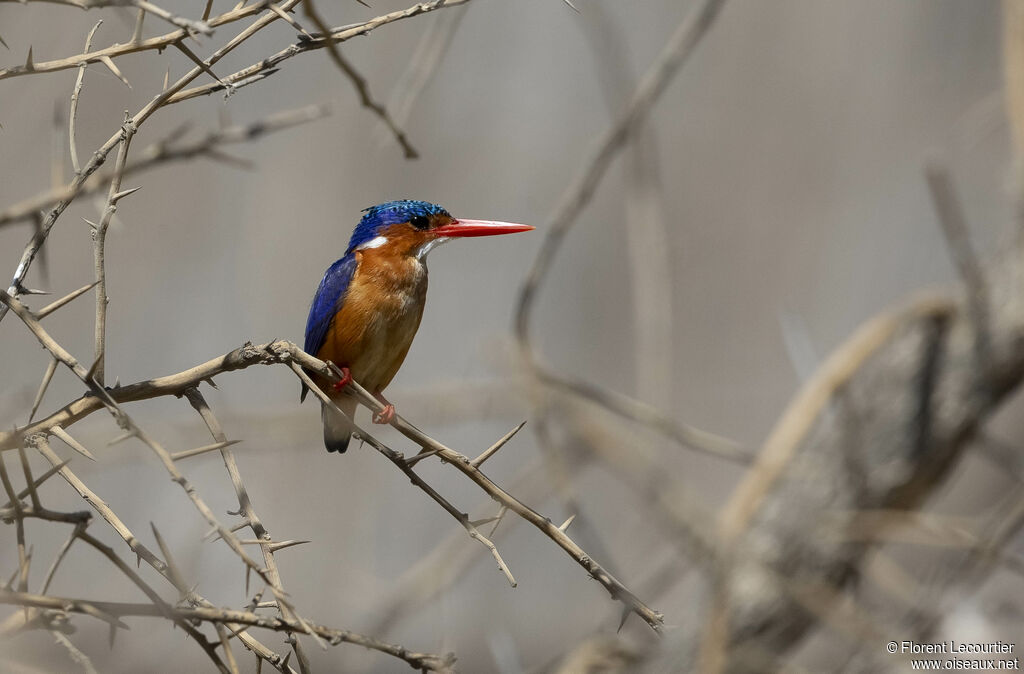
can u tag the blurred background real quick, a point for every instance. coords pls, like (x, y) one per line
(774, 202)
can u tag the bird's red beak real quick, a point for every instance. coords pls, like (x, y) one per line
(478, 228)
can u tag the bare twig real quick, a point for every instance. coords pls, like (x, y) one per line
(268, 65)
(247, 510)
(99, 238)
(958, 240)
(132, 47)
(133, 123)
(51, 367)
(424, 62)
(166, 151)
(675, 53)
(399, 460)
(358, 81)
(285, 352)
(426, 661)
(73, 115)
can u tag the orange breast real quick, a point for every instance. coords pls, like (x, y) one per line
(372, 332)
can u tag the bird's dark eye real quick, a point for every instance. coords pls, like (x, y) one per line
(420, 222)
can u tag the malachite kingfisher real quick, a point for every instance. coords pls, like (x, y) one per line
(369, 304)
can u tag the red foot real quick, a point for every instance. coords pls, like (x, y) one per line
(346, 378)
(385, 416)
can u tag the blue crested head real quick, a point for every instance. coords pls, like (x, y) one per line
(389, 213)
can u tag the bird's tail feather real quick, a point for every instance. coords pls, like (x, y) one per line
(338, 427)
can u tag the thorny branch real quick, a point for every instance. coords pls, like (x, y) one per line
(133, 122)
(283, 352)
(49, 612)
(769, 585)
(572, 202)
(169, 95)
(169, 150)
(231, 618)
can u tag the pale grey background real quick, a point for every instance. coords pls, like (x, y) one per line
(790, 149)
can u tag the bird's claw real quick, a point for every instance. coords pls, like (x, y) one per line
(346, 378)
(385, 416)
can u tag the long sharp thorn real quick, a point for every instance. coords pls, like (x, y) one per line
(47, 376)
(122, 438)
(53, 306)
(497, 519)
(122, 194)
(72, 443)
(92, 368)
(413, 460)
(292, 22)
(202, 450)
(3, 43)
(172, 567)
(39, 481)
(109, 62)
(485, 520)
(167, 78)
(285, 544)
(488, 453)
(565, 524)
(9, 585)
(29, 65)
(137, 33)
(201, 63)
(32, 291)
(210, 535)
(625, 614)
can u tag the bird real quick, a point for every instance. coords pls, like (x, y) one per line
(369, 303)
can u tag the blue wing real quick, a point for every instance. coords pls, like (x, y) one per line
(326, 302)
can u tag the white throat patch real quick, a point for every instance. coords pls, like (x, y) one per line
(376, 242)
(421, 254)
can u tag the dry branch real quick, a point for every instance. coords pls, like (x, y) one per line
(133, 122)
(268, 65)
(572, 202)
(167, 151)
(283, 352)
(193, 613)
(878, 427)
(133, 46)
(424, 661)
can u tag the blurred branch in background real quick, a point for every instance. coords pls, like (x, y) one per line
(423, 64)
(192, 610)
(796, 553)
(169, 150)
